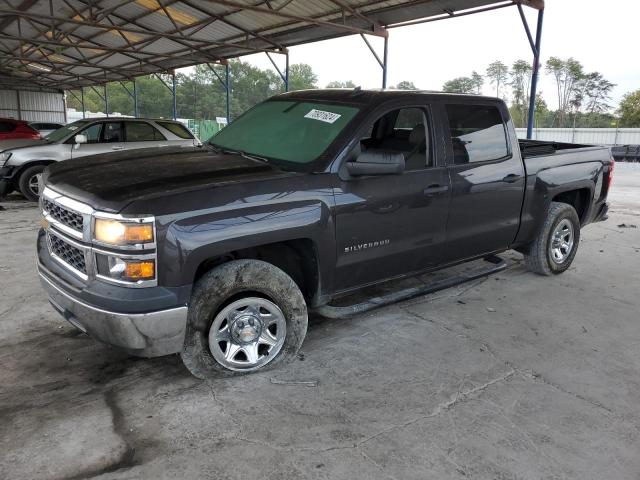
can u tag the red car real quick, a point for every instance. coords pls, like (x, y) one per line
(11, 129)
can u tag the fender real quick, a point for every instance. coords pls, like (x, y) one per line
(548, 183)
(191, 241)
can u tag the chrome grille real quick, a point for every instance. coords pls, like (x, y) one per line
(63, 215)
(68, 253)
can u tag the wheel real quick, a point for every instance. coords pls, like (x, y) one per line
(29, 181)
(244, 316)
(556, 244)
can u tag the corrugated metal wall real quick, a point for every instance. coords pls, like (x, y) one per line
(32, 106)
(592, 136)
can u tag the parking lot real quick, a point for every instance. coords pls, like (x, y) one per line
(513, 376)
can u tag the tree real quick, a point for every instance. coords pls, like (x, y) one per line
(339, 84)
(302, 77)
(629, 110)
(405, 85)
(478, 82)
(497, 73)
(520, 79)
(459, 85)
(568, 75)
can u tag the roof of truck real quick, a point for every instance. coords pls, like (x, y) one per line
(368, 96)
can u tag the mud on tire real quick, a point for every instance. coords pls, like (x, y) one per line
(226, 284)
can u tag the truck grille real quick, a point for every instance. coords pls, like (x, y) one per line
(67, 217)
(67, 253)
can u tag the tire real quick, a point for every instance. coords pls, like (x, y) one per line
(28, 179)
(276, 312)
(556, 244)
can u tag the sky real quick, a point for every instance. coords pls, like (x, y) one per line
(602, 35)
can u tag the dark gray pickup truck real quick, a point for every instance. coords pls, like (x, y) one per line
(218, 253)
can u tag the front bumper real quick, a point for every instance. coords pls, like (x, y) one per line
(149, 334)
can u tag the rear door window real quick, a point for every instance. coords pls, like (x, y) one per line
(477, 133)
(141, 132)
(112, 132)
(177, 129)
(6, 127)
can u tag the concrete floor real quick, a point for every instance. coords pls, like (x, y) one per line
(512, 377)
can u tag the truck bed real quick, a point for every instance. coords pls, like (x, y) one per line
(539, 148)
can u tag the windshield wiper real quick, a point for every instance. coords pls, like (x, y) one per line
(250, 156)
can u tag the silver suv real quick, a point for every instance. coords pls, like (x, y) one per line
(21, 167)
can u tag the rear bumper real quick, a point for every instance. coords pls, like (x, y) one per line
(149, 334)
(601, 213)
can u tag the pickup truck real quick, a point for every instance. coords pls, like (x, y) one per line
(219, 253)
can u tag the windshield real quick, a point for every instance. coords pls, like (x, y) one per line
(292, 131)
(62, 133)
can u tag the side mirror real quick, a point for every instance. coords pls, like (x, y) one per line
(80, 138)
(376, 163)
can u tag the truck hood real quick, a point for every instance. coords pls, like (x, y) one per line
(110, 182)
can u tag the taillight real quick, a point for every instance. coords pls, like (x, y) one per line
(610, 178)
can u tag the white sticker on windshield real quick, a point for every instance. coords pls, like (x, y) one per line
(328, 117)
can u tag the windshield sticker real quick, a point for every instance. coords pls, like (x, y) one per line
(327, 117)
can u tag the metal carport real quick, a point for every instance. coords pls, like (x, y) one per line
(70, 44)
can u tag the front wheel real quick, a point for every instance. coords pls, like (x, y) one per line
(244, 316)
(29, 182)
(556, 244)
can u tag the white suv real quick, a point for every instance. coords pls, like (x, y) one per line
(21, 167)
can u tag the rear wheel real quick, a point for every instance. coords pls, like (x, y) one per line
(556, 245)
(244, 316)
(29, 181)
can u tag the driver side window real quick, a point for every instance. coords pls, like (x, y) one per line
(92, 133)
(405, 131)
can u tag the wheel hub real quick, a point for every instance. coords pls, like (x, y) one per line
(246, 329)
(562, 241)
(247, 334)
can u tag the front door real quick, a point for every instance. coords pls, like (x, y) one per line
(102, 137)
(389, 225)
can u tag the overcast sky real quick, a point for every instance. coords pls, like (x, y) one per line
(603, 36)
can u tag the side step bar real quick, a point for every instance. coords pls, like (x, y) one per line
(329, 311)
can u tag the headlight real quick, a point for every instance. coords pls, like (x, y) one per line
(125, 269)
(118, 232)
(4, 158)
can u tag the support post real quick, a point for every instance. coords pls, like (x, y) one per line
(82, 101)
(227, 86)
(173, 92)
(385, 56)
(534, 76)
(384, 60)
(136, 113)
(286, 73)
(106, 101)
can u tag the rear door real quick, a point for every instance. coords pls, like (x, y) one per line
(139, 134)
(390, 225)
(487, 180)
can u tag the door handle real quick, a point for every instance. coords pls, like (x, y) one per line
(512, 178)
(117, 148)
(435, 189)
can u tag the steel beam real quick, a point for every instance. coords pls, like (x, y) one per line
(534, 76)
(228, 91)
(106, 100)
(283, 75)
(385, 55)
(173, 92)
(136, 112)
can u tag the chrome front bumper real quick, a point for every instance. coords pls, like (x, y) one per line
(149, 334)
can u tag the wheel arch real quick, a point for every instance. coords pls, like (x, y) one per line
(298, 258)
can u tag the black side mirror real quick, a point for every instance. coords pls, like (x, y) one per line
(376, 163)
